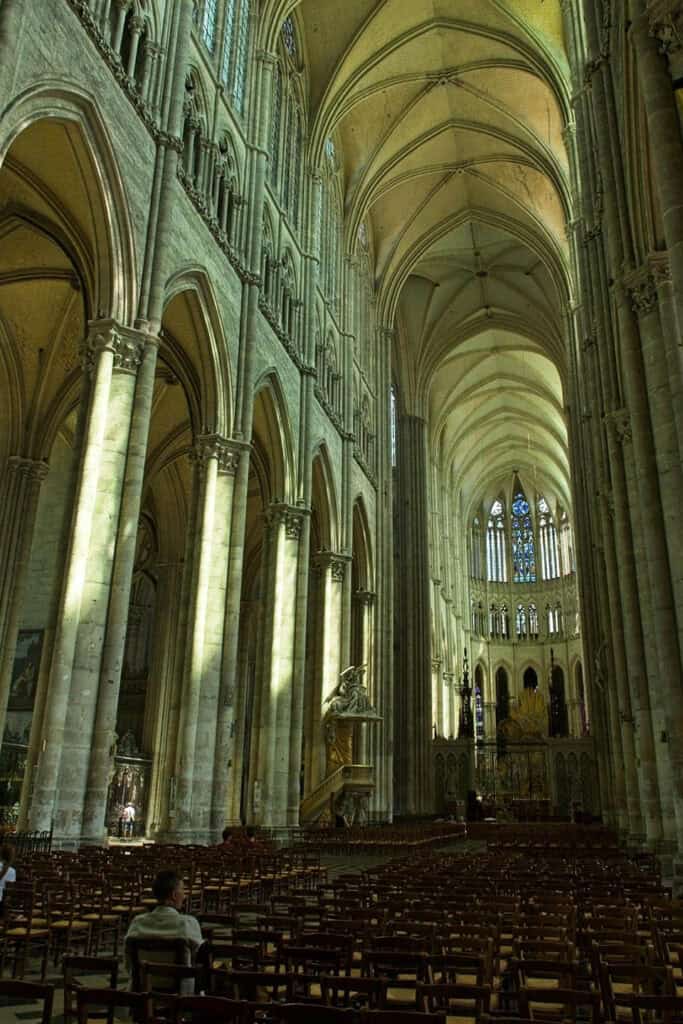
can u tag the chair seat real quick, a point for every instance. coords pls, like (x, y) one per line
(73, 925)
(34, 933)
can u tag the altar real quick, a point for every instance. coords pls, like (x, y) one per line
(521, 775)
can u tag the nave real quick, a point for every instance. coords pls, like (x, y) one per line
(532, 923)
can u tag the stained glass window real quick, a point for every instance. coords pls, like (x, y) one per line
(547, 533)
(275, 128)
(289, 36)
(241, 54)
(566, 546)
(209, 24)
(475, 559)
(226, 59)
(523, 553)
(495, 544)
(288, 158)
(296, 170)
(479, 703)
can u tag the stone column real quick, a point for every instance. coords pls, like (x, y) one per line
(137, 25)
(117, 616)
(244, 390)
(19, 514)
(643, 290)
(284, 524)
(635, 658)
(215, 720)
(214, 471)
(117, 35)
(364, 601)
(656, 526)
(296, 733)
(413, 718)
(113, 357)
(666, 145)
(332, 570)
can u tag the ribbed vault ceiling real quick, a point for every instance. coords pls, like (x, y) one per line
(450, 117)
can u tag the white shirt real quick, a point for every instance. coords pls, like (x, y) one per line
(166, 923)
(11, 876)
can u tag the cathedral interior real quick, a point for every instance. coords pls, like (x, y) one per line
(341, 415)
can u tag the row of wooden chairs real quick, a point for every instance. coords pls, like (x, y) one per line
(435, 1003)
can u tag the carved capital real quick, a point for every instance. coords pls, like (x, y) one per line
(642, 289)
(214, 446)
(332, 562)
(365, 597)
(289, 516)
(34, 469)
(125, 344)
(268, 60)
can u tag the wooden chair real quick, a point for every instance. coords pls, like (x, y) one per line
(252, 986)
(108, 999)
(234, 956)
(23, 938)
(161, 951)
(357, 993)
(403, 972)
(528, 973)
(663, 1009)
(69, 934)
(76, 967)
(559, 1004)
(10, 989)
(455, 1000)
(312, 959)
(620, 983)
(460, 968)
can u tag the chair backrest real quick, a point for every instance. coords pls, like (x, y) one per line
(346, 991)
(208, 1010)
(455, 1000)
(77, 967)
(161, 951)
(454, 968)
(110, 999)
(307, 1013)
(255, 986)
(237, 956)
(401, 1017)
(30, 990)
(664, 1009)
(573, 1001)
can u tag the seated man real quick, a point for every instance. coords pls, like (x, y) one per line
(166, 921)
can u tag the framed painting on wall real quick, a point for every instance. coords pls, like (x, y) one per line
(25, 670)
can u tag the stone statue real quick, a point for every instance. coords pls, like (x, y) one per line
(349, 697)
